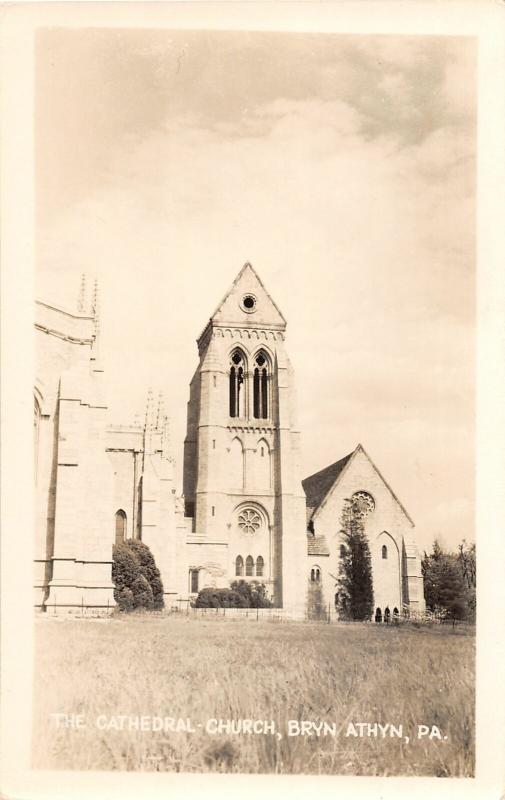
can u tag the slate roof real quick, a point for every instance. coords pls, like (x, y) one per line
(317, 545)
(317, 486)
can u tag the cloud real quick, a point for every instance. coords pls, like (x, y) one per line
(360, 224)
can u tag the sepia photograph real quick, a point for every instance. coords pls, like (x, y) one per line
(255, 371)
(236, 508)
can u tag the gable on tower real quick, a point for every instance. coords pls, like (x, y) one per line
(248, 304)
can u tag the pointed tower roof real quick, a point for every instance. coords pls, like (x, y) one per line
(247, 303)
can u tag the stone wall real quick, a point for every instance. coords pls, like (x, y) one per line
(389, 525)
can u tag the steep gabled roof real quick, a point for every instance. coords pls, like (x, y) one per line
(317, 546)
(317, 486)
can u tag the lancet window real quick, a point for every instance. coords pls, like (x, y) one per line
(261, 378)
(120, 526)
(237, 381)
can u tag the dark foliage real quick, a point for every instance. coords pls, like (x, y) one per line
(149, 570)
(355, 568)
(467, 563)
(135, 576)
(445, 587)
(253, 592)
(241, 594)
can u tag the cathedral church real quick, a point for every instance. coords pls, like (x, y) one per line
(245, 510)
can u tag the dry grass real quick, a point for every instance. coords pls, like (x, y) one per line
(213, 668)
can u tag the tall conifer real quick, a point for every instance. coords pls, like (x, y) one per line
(355, 569)
(444, 583)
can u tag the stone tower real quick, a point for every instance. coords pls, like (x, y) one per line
(242, 483)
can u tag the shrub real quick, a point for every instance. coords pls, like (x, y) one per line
(135, 576)
(125, 567)
(241, 594)
(211, 598)
(124, 599)
(253, 594)
(149, 570)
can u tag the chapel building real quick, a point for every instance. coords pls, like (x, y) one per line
(245, 512)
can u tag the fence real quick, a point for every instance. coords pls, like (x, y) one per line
(183, 607)
(77, 609)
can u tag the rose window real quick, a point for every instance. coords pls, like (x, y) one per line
(363, 503)
(249, 520)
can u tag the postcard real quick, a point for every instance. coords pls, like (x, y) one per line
(252, 331)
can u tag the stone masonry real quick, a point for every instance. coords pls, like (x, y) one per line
(244, 512)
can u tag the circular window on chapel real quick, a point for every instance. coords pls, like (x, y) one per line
(249, 520)
(363, 503)
(248, 303)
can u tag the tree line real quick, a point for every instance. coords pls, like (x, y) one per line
(450, 580)
(449, 577)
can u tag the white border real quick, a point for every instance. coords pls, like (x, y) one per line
(484, 20)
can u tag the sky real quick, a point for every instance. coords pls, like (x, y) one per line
(342, 167)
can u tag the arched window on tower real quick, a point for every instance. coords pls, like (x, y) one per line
(261, 379)
(249, 566)
(260, 565)
(239, 566)
(384, 551)
(237, 379)
(120, 526)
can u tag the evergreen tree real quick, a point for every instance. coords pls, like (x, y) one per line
(136, 578)
(467, 564)
(355, 569)
(444, 583)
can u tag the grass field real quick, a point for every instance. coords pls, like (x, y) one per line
(204, 669)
